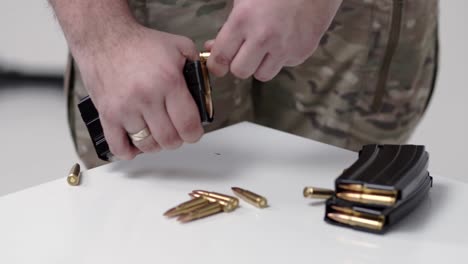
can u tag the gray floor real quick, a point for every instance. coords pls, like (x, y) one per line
(35, 142)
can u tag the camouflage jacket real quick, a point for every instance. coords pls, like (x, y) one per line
(370, 80)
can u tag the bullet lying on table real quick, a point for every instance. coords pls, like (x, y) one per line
(202, 205)
(208, 210)
(219, 196)
(74, 176)
(250, 197)
(187, 207)
(227, 206)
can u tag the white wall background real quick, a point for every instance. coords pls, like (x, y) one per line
(34, 142)
(444, 129)
(35, 145)
(30, 36)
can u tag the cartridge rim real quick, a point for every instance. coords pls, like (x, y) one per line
(72, 180)
(74, 175)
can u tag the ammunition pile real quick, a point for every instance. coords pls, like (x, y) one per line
(385, 184)
(205, 203)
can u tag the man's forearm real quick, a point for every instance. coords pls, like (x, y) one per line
(91, 25)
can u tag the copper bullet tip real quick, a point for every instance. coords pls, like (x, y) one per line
(170, 212)
(184, 218)
(207, 210)
(186, 207)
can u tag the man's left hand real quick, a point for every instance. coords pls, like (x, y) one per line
(260, 37)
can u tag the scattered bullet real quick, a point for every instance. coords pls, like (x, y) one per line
(218, 196)
(208, 210)
(228, 206)
(186, 207)
(250, 197)
(74, 176)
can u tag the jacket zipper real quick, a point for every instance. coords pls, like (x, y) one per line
(394, 38)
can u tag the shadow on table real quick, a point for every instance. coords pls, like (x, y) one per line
(224, 159)
(319, 203)
(420, 217)
(191, 164)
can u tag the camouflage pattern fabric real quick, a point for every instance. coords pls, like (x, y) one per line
(369, 81)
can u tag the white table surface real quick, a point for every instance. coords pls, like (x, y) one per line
(115, 216)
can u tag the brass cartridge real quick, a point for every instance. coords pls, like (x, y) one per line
(208, 210)
(362, 189)
(374, 224)
(204, 56)
(228, 206)
(186, 207)
(345, 210)
(349, 211)
(208, 100)
(218, 196)
(318, 193)
(74, 176)
(250, 197)
(367, 198)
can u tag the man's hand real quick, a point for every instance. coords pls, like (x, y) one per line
(139, 83)
(260, 37)
(133, 74)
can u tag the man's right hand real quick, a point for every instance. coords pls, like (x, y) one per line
(133, 74)
(137, 82)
